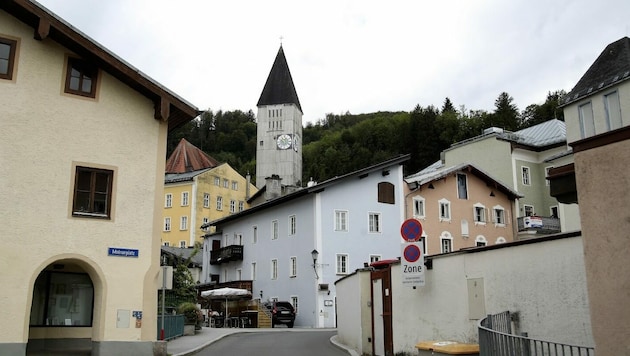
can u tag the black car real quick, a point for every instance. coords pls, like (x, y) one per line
(281, 313)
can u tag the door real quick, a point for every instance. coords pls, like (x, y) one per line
(383, 344)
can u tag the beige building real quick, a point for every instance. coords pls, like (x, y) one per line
(83, 137)
(197, 190)
(460, 207)
(597, 113)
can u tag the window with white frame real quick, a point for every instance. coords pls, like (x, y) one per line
(254, 234)
(462, 186)
(613, 110)
(274, 269)
(526, 179)
(234, 185)
(499, 215)
(587, 122)
(241, 205)
(226, 183)
(480, 241)
(167, 224)
(219, 202)
(166, 243)
(341, 220)
(375, 258)
(205, 221)
(418, 207)
(239, 274)
(500, 240)
(232, 206)
(183, 223)
(168, 200)
(479, 212)
(342, 263)
(547, 169)
(184, 198)
(217, 181)
(445, 210)
(182, 244)
(446, 242)
(374, 222)
(274, 229)
(293, 267)
(206, 200)
(292, 225)
(294, 302)
(253, 271)
(528, 209)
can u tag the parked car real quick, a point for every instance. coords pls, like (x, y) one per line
(281, 313)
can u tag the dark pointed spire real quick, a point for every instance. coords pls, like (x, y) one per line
(279, 88)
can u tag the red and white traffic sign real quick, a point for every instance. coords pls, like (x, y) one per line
(411, 230)
(412, 264)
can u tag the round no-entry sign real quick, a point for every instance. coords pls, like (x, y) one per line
(411, 230)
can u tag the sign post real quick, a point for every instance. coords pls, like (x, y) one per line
(412, 266)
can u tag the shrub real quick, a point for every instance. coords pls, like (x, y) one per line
(190, 311)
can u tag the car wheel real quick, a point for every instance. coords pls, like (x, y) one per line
(290, 324)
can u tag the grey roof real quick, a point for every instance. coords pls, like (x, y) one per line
(611, 67)
(279, 88)
(196, 261)
(437, 171)
(183, 177)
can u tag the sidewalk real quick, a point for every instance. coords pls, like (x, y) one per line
(188, 345)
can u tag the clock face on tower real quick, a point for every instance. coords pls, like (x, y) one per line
(283, 141)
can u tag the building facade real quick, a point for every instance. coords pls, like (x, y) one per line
(84, 203)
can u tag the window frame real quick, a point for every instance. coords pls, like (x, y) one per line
(499, 221)
(274, 268)
(374, 218)
(219, 204)
(444, 203)
(419, 202)
(90, 213)
(85, 69)
(526, 175)
(614, 118)
(525, 206)
(479, 214)
(232, 206)
(586, 117)
(168, 200)
(183, 223)
(292, 267)
(341, 220)
(292, 225)
(462, 186)
(274, 229)
(206, 200)
(185, 199)
(341, 263)
(11, 60)
(446, 241)
(167, 224)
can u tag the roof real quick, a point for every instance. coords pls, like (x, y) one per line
(168, 105)
(437, 171)
(317, 188)
(279, 88)
(197, 259)
(611, 67)
(183, 177)
(187, 158)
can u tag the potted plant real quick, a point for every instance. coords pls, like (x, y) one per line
(191, 316)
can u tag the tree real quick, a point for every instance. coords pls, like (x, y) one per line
(506, 114)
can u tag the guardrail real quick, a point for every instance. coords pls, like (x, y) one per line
(173, 326)
(496, 339)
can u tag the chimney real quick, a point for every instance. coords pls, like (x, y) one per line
(273, 187)
(248, 180)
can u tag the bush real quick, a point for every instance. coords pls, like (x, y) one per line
(191, 313)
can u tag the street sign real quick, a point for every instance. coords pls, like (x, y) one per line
(412, 264)
(411, 230)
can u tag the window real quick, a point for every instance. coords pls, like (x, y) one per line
(554, 211)
(182, 244)
(253, 271)
(547, 169)
(234, 185)
(418, 207)
(613, 110)
(292, 226)
(341, 220)
(499, 215)
(293, 267)
(375, 258)
(294, 302)
(232, 206)
(168, 200)
(206, 200)
(167, 224)
(241, 205)
(525, 175)
(226, 183)
(462, 187)
(62, 299)
(445, 210)
(274, 230)
(7, 57)
(205, 221)
(239, 274)
(255, 234)
(464, 225)
(81, 78)
(219, 203)
(446, 244)
(166, 243)
(386, 192)
(342, 264)
(183, 223)
(217, 181)
(529, 210)
(480, 241)
(92, 192)
(374, 222)
(184, 198)
(500, 240)
(238, 239)
(479, 212)
(587, 123)
(274, 269)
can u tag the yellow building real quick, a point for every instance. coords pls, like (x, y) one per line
(198, 190)
(81, 255)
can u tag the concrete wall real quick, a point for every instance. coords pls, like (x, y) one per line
(541, 279)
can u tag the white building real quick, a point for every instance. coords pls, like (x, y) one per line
(349, 220)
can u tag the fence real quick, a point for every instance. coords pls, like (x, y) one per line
(496, 339)
(173, 326)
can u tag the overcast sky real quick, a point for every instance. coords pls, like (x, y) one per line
(359, 56)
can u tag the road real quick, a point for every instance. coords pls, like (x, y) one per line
(286, 343)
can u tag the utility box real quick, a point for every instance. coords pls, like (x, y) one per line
(428, 348)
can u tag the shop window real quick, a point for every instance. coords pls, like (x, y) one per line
(62, 299)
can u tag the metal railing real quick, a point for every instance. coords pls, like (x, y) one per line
(541, 224)
(173, 326)
(496, 338)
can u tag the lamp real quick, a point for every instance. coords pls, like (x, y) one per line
(315, 254)
(261, 295)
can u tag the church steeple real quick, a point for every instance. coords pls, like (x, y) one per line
(279, 88)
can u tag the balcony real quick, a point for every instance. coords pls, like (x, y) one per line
(539, 224)
(226, 254)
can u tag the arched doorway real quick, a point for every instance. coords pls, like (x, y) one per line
(62, 309)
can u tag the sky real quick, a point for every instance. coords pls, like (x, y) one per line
(357, 56)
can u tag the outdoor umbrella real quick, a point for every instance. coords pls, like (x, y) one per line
(227, 294)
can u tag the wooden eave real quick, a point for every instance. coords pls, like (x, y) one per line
(168, 106)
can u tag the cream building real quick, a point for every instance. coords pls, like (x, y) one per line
(83, 137)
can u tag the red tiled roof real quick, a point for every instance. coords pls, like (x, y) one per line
(187, 158)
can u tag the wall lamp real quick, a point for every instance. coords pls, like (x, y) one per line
(315, 254)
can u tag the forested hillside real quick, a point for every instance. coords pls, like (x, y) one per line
(340, 144)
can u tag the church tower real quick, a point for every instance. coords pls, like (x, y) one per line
(279, 148)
